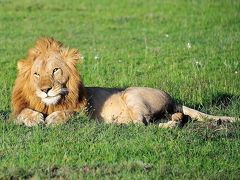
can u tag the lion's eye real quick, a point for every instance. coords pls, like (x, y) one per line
(55, 70)
(36, 74)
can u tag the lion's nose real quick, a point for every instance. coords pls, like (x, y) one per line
(46, 89)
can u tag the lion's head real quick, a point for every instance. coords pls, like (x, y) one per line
(48, 79)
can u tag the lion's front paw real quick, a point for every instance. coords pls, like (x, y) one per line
(169, 124)
(30, 118)
(56, 118)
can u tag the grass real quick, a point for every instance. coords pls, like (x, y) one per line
(190, 49)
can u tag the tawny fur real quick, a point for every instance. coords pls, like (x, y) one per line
(50, 70)
(24, 91)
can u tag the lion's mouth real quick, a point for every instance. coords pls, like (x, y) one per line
(51, 99)
(53, 96)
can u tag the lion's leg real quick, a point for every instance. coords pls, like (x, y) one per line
(178, 116)
(169, 124)
(138, 116)
(137, 110)
(29, 117)
(58, 117)
(203, 117)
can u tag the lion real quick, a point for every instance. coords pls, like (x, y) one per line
(49, 90)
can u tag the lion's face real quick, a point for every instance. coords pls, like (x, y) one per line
(49, 76)
(48, 79)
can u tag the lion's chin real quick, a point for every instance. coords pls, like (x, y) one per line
(51, 100)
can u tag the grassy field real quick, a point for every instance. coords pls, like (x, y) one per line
(190, 49)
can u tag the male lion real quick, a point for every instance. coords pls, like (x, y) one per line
(49, 90)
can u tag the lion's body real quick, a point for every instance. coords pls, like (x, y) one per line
(49, 90)
(135, 104)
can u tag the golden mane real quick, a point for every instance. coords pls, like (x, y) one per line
(23, 95)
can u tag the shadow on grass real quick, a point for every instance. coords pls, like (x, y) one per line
(4, 115)
(57, 171)
(223, 99)
(220, 100)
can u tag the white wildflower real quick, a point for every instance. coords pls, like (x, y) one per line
(235, 72)
(189, 45)
(166, 35)
(197, 63)
(96, 57)
(82, 58)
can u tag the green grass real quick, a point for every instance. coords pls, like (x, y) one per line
(129, 43)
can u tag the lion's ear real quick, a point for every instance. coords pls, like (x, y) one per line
(33, 54)
(71, 56)
(24, 65)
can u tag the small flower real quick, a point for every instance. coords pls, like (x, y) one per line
(189, 45)
(166, 35)
(197, 63)
(96, 57)
(82, 58)
(119, 60)
(235, 72)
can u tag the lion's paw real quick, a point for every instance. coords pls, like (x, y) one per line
(30, 118)
(169, 124)
(55, 118)
(177, 116)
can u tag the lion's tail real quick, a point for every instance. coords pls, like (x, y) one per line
(200, 116)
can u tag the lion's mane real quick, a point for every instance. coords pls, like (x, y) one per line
(24, 96)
